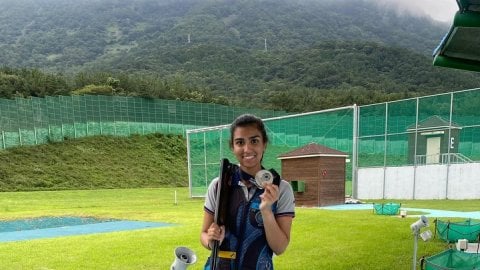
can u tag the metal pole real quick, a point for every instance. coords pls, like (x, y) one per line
(175, 197)
(33, 121)
(189, 163)
(35, 135)
(20, 137)
(415, 240)
(355, 152)
(74, 120)
(415, 151)
(385, 149)
(3, 140)
(449, 144)
(205, 159)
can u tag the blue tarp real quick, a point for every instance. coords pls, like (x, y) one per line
(34, 229)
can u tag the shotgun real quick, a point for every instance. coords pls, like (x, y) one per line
(221, 208)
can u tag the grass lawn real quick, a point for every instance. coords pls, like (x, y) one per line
(321, 239)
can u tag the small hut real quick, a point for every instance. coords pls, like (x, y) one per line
(316, 173)
(436, 141)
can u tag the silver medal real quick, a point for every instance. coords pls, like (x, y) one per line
(263, 176)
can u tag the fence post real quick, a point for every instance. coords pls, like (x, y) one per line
(355, 124)
(20, 137)
(3, 139)
(415, 150)
(35, 135)
(385, 145)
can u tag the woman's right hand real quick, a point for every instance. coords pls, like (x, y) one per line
(216, 232)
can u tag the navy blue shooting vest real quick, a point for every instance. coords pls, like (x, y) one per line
(245, 234)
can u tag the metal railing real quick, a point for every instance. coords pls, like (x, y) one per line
(444, 158)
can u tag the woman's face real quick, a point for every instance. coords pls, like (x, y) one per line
(248, 147)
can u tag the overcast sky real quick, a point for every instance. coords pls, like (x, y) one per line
(441, 10)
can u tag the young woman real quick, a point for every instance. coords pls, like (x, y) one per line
(259, 219)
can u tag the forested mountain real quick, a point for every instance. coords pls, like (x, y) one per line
(282, 54)
(66, 33)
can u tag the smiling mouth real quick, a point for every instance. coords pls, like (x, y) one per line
(249, 157)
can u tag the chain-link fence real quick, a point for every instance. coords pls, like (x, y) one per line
(332, 128)
(437, 129)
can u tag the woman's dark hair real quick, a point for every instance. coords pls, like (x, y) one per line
(245, 120)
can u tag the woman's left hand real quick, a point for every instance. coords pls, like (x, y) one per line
(269, 196)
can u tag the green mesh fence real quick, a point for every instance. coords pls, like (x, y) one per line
(452, 259)
(453, 231)
(402, 132)
(30, 121)
(388, 209)
(398, 133)
(395, 133)
(332, 128)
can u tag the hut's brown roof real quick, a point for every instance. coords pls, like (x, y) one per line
(312, 150)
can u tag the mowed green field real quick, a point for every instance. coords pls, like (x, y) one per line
(321, 239)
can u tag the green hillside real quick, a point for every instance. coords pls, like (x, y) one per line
(327, 75)
(96, 162)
